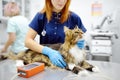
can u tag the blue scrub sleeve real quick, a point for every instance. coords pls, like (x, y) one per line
(37, 23)
(80, 25)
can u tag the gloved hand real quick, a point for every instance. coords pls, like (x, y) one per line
(81, 43)
(54, 56)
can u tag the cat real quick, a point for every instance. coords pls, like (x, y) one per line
(71, 53)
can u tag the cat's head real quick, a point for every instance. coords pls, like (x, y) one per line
(73, 35)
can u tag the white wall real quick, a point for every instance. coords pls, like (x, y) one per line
(3, 33)
(35, 6)
(83, 8)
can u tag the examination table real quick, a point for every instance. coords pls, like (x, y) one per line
(108, 71)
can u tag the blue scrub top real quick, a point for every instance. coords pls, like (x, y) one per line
(54, 29)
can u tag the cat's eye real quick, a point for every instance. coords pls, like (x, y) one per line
(76, 32)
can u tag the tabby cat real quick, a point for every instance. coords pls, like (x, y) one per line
(71, 53)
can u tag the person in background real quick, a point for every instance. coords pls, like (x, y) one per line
(17, 27)
(49, 24)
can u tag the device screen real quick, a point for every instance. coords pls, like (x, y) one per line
(27, 67)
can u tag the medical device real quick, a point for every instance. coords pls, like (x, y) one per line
(30, 69)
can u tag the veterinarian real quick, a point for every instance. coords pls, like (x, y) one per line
(17, 28)
(49, 25)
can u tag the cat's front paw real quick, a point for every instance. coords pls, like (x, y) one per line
(95, 69)
(19, 63)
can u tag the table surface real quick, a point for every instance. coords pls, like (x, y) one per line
(108, 71)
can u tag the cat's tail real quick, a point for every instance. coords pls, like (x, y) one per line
(9, 55)
(13, 56)
(3, 57)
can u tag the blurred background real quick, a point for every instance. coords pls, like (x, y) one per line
(100, 17)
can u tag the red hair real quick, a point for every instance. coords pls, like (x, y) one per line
(48, 10)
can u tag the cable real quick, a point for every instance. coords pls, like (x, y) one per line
(15, 76)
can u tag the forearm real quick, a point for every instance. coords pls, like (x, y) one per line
(31, 44)
(7, 44)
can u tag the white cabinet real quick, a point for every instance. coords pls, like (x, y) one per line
(101, 45)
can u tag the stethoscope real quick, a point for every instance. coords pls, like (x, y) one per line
(43, 33)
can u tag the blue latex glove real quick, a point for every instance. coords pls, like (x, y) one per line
(54, 56)
(81, 43)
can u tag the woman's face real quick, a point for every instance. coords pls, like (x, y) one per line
(58, 5)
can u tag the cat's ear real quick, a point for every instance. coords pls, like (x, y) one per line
(66, 28)
(76, 27)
